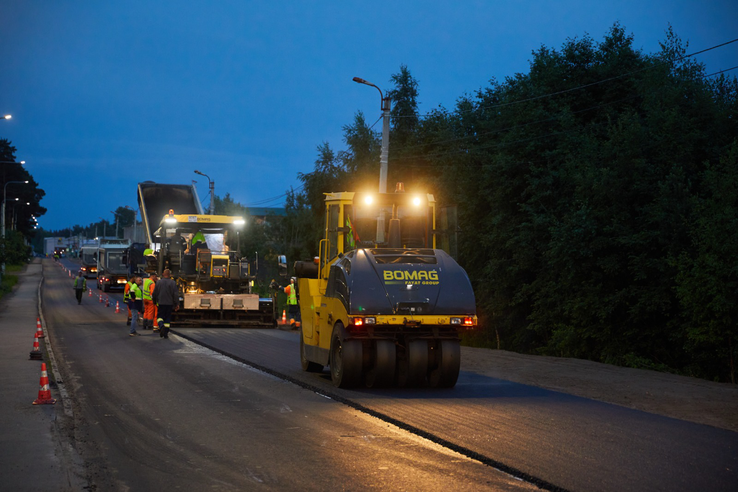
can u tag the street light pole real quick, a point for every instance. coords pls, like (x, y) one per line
(385, 135)
(104, 227)
(385, 153)
(5, 191)
(211, 184)
(117, 219)
(135, 223)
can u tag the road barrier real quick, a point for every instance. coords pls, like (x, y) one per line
(36, 351)
(44, 394)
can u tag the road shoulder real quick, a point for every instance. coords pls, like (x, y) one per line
(669, 395)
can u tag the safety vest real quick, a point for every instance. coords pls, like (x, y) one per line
(292, 295)
(135, 290)
(148, 289)
(198, 237)
(81, 285)
(127, 291)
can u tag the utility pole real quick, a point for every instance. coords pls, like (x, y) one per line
(212, 191)
(384, 157)
(385, 135)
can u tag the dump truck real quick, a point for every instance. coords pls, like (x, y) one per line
(202, 253)
(88, 261)
(112, 273)
(381, 304)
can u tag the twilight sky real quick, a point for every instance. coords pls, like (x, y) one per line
(108, 94)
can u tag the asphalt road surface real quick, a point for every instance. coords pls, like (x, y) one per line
(156, 412)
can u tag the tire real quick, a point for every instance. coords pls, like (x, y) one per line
(413, 368)
(382, 372)
(448, 359)
(345, 359)
(307, 365)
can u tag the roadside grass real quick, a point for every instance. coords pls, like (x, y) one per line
(9, 280)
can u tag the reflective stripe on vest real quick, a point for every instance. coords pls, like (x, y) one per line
(127, 292)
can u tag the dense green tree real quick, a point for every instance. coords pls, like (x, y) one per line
(594, 201)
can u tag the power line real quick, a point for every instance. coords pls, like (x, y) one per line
(722, 71)
(458, 151)
(572, 89)
(553, 118)
(274, 198)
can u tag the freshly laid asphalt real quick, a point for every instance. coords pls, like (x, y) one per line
(33, 455)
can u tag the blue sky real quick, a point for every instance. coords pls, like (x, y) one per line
(108, 94)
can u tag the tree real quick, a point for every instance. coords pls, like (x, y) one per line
(20, 214)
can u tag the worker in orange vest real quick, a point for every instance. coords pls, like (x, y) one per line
(149, 305)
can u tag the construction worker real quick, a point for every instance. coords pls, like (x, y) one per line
(80, 285)
(166, 298)
(291, 291)
(135, 304)
(198, 242)
(149, 306)
(127, 298)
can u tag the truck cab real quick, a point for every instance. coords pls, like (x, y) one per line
(112, 273)
(88, 260)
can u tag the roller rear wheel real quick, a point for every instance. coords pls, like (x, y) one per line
(413, 368)
(307, 365)
(383, 371)
(345, 360)
(448, 361)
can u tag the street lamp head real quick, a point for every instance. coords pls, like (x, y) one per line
(7, 116)
(359, 80)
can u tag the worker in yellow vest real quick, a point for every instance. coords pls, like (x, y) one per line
(127, 298)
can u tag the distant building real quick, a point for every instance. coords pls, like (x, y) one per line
(71, 244)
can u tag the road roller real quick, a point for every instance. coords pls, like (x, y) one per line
(382, 305)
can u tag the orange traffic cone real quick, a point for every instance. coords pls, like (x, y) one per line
(44, 395)
(100, 298)
(117, 306)
(39, 331)
(284, 317)
(36, 352)
(90, 294)
(107, 301)
(70, 272)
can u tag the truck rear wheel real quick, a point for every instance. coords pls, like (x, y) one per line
(383, 371)
(307, 365)
(345, 359)
(412, 370)
(448, 360)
